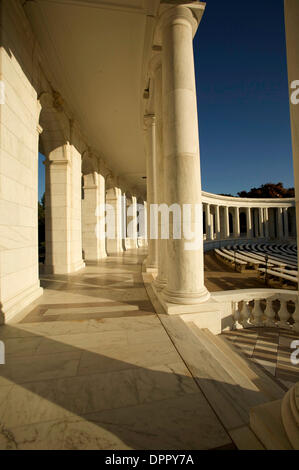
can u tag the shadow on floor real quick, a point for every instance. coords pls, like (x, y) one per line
(67, 397)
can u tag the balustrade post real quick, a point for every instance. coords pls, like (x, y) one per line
(257, 313)
(270, 313)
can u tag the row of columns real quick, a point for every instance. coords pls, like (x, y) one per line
(76, 226)
(257, 222)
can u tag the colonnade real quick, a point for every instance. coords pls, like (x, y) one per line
(275, 221)
(173, 169)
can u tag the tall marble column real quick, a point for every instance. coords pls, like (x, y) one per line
(114, 243)
(226, 222)
(93, 214)
(185, 283)
(132, 235)
(156, 74)
(151, 183)
(237, 222)
(63, 211)
(249, 222)
(217, 222)
(279, 224)
(286, 223)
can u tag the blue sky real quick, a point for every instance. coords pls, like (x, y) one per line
(242, 90)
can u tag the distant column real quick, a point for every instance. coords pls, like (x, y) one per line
(217, 222)
(226, 222)
(266, 221)
(249, 222)
(237, 222)
(208, 222)
(261, 222)
(279, 223)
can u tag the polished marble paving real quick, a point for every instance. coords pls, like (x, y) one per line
(90, 366)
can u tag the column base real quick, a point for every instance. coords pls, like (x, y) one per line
(174, 300)
(159, 284)
(95, 260)
(150, 267)
(63, 269)
(12, 307)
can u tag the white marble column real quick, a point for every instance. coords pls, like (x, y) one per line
(63, 211)
(185, 283)
(237, 222)
(156, 74)
(208, 222)
(217, 223)
(286, 223)
(114, 242)
(132, 234)
(279, 224)
(151, 183)
(261, 222)
(266, 222)
(226, 222)
(93, 213)
(249, 222)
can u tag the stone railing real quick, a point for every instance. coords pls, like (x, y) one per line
(258, 307)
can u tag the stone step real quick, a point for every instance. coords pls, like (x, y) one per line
(268, 386)
(224, 358)
(230, 393)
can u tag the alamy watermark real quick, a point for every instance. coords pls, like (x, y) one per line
(295, 93)
(295, 354)
(175, 221)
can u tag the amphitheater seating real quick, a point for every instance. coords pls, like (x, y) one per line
(281, 259)
(240, 265)
(279, 275)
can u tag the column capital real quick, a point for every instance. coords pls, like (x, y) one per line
(190, 13)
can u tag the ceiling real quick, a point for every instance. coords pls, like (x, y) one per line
(97, 52)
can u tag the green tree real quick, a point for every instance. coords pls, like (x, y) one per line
(269, 190)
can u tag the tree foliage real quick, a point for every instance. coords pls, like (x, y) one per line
(269, 190)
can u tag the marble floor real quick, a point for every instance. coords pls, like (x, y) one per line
(90, 366)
